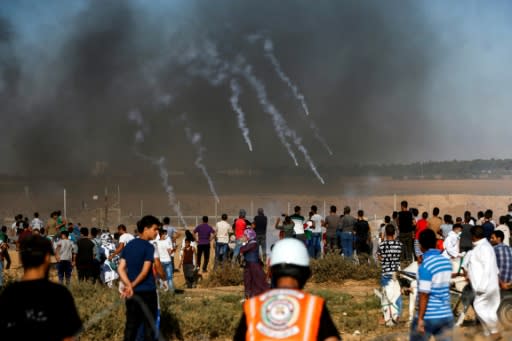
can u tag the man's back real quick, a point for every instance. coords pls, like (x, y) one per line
(331, 224)
(260, 224)
(390, 252)
(347, 223)
(405, 222)
(434, 279)
(37, 310)
(317, 219)
(85, 253)
(222, 231)
(298, 222)
(434, 223)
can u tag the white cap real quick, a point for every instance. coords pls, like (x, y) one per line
(289, 251)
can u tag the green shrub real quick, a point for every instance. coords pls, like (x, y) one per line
(333, 268)
(227, 275)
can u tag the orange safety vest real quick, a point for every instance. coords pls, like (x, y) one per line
(283, 314)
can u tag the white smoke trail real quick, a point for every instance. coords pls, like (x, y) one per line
(280, 125)
(195, 140)
(235, 94)
(268, 46)
(136, 117)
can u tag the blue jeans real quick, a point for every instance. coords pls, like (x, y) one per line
(314, 246)
(236, 251)
(169, 272)
(440, 328)
(347, 241)
(221, 252)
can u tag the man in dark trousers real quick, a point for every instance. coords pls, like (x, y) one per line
(406, 228)
(260, 227)
(85, 256)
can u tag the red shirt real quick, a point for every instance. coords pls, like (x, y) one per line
(421, 225)
(240, 226)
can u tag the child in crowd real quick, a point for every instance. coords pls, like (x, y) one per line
(188, 263)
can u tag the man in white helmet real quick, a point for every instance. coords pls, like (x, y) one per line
(287, 313)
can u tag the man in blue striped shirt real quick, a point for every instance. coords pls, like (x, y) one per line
(434, 316)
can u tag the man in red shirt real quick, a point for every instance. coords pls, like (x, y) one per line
(421, 225)
(239, 227)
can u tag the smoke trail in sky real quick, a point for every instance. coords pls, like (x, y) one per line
(268, 46)
(319, 137)
(235, 94)
(136, 117)
(195, 139)
(280, 125)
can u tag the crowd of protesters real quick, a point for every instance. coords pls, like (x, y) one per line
(443, 247)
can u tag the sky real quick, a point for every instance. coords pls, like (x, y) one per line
(320, 84)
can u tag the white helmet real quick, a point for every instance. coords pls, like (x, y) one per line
(289, 251)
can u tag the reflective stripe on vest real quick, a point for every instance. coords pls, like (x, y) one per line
(283, 314)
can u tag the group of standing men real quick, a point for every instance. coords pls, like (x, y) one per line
(486, 263)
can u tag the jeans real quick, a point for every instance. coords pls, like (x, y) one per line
(169, 271)
(440, 328)
(221, 252)
(203, 250)
(314, 246)
(141, 309)
(236, 251)
(64, 269)
(347, 241)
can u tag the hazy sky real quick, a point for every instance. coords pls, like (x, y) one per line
(384, 81)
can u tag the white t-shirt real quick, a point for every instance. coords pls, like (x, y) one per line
(222, 229)
(162, 246)
(317, 219)
(37, 224)
(125, 238)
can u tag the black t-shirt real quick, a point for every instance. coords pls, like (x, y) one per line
(85, 254)
(466, 243)
(260, 224)
(362, 229)
(405, 222)
(37, 310)
(326, 328)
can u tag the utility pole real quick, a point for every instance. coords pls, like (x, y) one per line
(106, 208)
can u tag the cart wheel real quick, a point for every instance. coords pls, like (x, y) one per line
(505, 312)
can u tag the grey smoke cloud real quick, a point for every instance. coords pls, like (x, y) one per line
(383, 81)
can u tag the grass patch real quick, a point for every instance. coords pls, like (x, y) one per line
(333, 268)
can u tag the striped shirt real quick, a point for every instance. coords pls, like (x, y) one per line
(434, 279)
